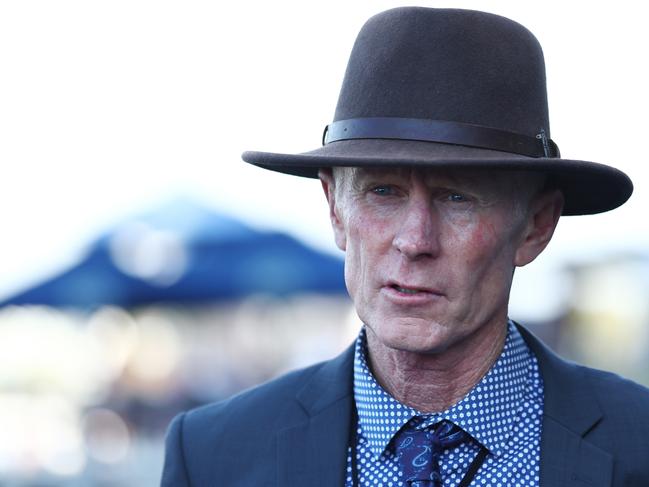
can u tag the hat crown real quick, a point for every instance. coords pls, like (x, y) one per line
(450, 88)
(447, 64)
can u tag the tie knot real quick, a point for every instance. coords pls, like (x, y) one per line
(418, 450)
(446, 435)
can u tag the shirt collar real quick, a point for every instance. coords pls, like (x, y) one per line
(488, 412)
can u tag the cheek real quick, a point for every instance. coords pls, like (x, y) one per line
(483, 237)
(367, 233)
(354, 241)
(482, 245)
(368, 240)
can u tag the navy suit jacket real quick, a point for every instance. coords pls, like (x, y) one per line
(295, 430)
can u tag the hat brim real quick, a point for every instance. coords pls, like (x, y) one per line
(588, 187)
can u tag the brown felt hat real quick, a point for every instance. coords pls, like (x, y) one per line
(450, 88)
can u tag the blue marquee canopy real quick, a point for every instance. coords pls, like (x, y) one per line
(186, 253)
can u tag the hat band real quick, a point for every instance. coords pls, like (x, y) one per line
(441, 131)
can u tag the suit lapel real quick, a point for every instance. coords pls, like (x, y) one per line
(569, 460)
(314, 452)
(571, 410)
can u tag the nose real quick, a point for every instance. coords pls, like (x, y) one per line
(418, 233)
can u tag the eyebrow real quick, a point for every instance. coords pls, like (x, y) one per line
(434, 178)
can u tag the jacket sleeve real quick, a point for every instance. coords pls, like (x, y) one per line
(174, 472)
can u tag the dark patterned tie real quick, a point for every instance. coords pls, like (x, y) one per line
(418, 451)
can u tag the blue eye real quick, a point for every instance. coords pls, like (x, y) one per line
(456, 198)
(383, 190)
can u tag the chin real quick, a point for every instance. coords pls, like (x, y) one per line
(412, 335)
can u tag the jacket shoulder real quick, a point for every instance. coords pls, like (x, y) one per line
(624, 427)
(621, 395)
(250, 409)
(216, 441)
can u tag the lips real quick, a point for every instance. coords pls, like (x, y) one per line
(406, 290)
(411, 290)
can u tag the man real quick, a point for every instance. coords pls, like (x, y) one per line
(441, 179)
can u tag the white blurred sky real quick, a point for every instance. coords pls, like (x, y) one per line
(109, 108)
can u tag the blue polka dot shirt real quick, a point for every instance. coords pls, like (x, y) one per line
(503, 413)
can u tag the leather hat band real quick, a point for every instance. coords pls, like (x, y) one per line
(442, 131)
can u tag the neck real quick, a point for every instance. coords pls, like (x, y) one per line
(433, 382)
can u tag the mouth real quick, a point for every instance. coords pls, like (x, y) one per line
(412, 290)
(406, 290)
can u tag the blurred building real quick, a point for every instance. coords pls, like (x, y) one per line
(607, 324)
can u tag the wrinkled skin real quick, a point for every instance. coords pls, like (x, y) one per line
(429, 260)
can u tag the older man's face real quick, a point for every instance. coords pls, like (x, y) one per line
(430, 254)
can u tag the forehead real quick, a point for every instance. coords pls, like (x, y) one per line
(468, 178)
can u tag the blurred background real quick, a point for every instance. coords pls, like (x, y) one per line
(145, 269)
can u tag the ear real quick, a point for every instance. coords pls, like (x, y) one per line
(329, 187)
(542, 218)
